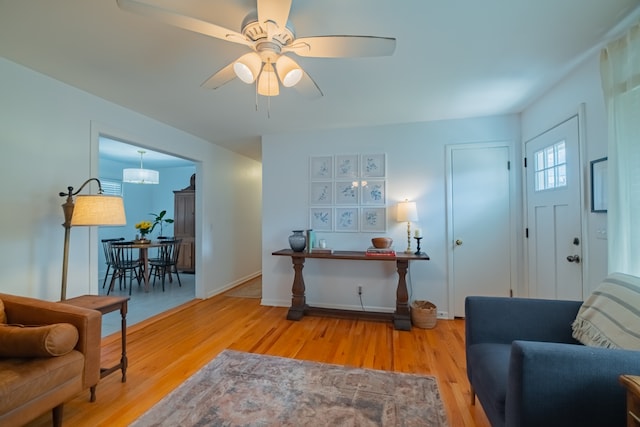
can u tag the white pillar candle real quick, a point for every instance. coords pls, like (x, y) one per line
(417, 232)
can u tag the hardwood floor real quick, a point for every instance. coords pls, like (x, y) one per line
(165, 350)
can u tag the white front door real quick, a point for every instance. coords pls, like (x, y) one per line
(554, 243)
(480, 232)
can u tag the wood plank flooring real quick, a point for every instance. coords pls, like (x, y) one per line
(166, 349)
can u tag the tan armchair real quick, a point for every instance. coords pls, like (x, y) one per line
(34, 385)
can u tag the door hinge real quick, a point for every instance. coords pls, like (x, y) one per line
(525, 162)
(508, 165)
(526, 233)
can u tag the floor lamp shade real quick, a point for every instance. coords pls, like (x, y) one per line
(98, 210)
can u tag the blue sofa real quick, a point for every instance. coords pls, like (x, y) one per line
(527, 370)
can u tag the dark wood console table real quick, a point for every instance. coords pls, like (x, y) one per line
(401, 317)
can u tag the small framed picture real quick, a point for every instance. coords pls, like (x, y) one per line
(346, 220)
(347, 166)
(321, 219)
(321, 193)
(374, 193)
(321, 167)
(346, 193)
(373, 220)
(374, 166)
(599, 185)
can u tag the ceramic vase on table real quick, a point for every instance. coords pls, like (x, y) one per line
(297, 241)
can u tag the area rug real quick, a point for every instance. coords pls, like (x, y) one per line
(245, 389)
(252, 289)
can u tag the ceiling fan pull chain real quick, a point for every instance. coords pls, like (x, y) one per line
(256, 86)
(270, 68)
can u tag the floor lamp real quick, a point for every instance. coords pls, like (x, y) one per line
(407, 212)
(87, 210)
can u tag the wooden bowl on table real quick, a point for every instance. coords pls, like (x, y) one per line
(382, 242)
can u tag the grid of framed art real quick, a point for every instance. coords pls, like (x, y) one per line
(347, 193)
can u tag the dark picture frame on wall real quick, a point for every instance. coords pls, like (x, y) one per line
(599, 185)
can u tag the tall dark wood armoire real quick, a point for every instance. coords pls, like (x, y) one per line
(184, 226)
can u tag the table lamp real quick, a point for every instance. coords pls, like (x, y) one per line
(88, 210)
(407, 212)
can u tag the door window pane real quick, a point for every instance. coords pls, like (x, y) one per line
(550, 167)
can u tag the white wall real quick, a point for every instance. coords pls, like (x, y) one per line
(49, 132)
(49, 136)
(562, 101)
(416, 170)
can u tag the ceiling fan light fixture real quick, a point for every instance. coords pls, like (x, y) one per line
(289, 71)
(269, 33)
(247, 67)
(268, 82)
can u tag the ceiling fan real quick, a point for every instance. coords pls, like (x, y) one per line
(270, 36)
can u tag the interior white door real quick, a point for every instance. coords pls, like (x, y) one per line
(481, 223)
(554, 228)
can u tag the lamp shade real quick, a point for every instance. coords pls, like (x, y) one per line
(289, 71)
(98, 210)
(268, 82)
(247, 67)
(140, 176)
(407, 211)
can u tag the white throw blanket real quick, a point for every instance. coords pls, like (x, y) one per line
(610, 317)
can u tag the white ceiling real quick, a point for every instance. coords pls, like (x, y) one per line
(453, 59)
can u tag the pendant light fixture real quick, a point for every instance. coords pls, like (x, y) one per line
(140, 176)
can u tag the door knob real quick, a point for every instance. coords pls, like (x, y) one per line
(458, 242)
(574, 258)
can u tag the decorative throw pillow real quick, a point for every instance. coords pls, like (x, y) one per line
(3, 316)
(37, 341)
(610, 317)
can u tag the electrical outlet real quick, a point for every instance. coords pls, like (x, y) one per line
(442, 315)
(359, 289)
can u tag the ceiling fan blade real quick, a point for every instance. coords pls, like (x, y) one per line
(274, 11)
(342, 46)
(308, 87)
(220, 78)
(182, 21)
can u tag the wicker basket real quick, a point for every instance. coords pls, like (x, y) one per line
(424, 314)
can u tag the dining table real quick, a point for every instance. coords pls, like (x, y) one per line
(144, 258)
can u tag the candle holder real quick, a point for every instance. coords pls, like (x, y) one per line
(417, 252)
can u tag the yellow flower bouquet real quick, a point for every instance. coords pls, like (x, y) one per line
(144, 227)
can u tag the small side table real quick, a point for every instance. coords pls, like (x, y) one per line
(632, 384)
(106, 304)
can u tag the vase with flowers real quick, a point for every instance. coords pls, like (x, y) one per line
(144, 228)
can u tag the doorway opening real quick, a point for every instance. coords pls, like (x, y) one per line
(142, 203)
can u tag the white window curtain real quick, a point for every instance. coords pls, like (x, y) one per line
(620, 71)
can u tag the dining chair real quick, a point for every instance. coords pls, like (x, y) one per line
(106, 247)
(167, 261)
(125, 259)
(158, 253)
